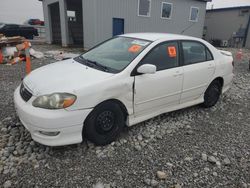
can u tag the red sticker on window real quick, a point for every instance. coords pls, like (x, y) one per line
(134, 48)
(172, 51)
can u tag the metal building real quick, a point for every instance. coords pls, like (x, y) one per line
(88, 22)
(228, 26)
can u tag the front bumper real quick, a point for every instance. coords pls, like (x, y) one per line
(35, 120)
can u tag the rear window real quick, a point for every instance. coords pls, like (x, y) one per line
(193, 52)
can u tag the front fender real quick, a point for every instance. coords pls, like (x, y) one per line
(113, 88)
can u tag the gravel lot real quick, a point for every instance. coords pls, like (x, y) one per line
(193, 147)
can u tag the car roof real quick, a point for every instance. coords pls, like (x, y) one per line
(158, 36)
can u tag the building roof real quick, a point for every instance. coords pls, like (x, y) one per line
(157, 36)
(228, 8)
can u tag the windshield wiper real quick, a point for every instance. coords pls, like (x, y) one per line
(84, 61)
(94, 64)
(102, 67)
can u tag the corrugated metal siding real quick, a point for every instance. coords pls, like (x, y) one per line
(89, 22)
(222, 24)
(98, 15)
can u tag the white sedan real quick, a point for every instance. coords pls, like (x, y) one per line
(121, 82)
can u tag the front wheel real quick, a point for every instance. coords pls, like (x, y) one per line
(104, 123)
(212, 94)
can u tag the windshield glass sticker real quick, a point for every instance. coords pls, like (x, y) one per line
(135, 48)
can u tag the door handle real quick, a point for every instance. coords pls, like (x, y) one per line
(210, 66)
(178, 73)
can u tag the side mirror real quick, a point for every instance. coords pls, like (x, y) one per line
(147, 69)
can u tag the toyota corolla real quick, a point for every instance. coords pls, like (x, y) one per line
(121, 82)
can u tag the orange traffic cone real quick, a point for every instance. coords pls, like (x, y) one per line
(1, 57)
(26, 47)
(239, 55)
(28, 59)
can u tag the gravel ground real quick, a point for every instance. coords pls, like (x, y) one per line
(193, 147)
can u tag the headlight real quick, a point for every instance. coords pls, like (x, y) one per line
(55, 101)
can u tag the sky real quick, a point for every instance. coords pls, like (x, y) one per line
(228, 3)
(18, 11)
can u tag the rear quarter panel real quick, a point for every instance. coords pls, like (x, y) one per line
(224, 67)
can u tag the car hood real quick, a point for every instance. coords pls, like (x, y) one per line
(64, 76)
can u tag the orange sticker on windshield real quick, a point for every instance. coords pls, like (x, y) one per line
(172, 51)
(134, 48)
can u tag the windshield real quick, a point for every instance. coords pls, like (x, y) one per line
(115, 54)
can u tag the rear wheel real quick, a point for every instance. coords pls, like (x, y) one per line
(104, 123)
(212, 94)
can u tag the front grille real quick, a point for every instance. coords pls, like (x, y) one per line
(25, 94)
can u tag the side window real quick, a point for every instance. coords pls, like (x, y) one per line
(144, 8)
(193, 52)
(209, 55)
(163, 56)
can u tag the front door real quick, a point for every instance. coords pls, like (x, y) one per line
(118, 26)
(154, 92)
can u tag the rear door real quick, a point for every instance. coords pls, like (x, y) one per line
(154, 92)
(198, 67)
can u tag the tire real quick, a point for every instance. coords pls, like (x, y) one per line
(104, 123)
(212, 94)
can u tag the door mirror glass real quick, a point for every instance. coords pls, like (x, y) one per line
(147, 69)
